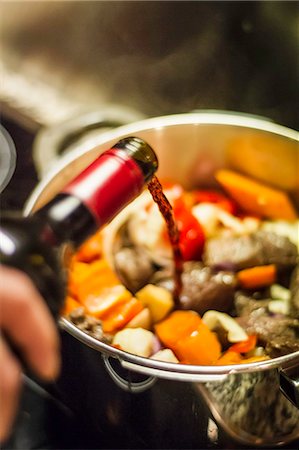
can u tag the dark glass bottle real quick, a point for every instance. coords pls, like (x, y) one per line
(87, 203)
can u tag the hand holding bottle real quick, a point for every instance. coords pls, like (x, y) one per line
(29, 326)
(31, 246)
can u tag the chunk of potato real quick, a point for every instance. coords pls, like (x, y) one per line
(157, 299)
(141, 320)
(166, 355)
(135, 340)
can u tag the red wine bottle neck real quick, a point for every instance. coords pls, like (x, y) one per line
(99, 193)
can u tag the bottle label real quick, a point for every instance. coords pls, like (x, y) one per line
(108, 184)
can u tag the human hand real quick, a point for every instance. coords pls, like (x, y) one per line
(26, 321)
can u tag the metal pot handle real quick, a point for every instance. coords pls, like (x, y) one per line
(169, 375)
(289, 384)
(126, 385)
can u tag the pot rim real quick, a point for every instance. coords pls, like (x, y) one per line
(163, 367)
(193, 118)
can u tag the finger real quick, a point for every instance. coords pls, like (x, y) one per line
(28, 323)
(10, 383)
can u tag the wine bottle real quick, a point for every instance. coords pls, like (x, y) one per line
(88, 202)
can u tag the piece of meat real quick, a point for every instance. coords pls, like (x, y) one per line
(89, 324)
(294, 288)
(134, 267)
(239, 251)
(259, 248)
(278, 334)
(245, 305)
(277, 249)
(202, 288)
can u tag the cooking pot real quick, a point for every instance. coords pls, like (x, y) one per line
(159, 404)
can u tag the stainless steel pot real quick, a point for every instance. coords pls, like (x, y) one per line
(245, 400)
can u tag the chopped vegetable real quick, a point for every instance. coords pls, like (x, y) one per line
(189, 338)
(69, 305)
(110, 298)
(232, 357)
(229, 357)
(214, 197)
(135, 340)
(200, 347)
(158, 300)
(90, 279)
(192, 237)
(244, 346)
(121, 314)
(166, 355)
(176, 326)
(141, 320)
(257, 277)
(91, 249)
(255, 197)
(214, 319)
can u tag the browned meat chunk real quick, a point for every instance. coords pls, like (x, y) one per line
(277, 249)
(134, 267)
(202, 288)
(239, 251)
(251, 250)
(294, 287)
(89, 324)
(278, 334)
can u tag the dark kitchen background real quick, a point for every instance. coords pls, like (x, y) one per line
(130, 60)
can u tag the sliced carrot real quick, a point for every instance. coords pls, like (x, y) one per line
(201, 347)
(257, 277)
(69, 305)
(121, 315)
(244, 346)
(90, 279)
(256, 197)
(77, 273)
(176, 326)
(109, 298)
(90, 249)
(232, 357)
(253, 359)
(229, 357)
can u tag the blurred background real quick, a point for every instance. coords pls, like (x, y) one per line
(61, 59)
(107, 63)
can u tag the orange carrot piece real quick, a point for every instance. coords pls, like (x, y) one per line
(232, 357)
(229, 357)
(202, 347)
(257, 277)
(177, 325)
(101, 304)
(90, 279)
(256, 197)
(69, 305)
(121, 315)
(90, 249)
(253, 359)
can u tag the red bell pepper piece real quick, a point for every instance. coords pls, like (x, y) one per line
(192, 237)
(244, 346)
